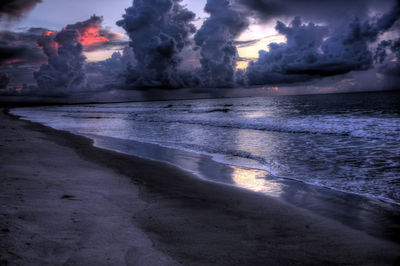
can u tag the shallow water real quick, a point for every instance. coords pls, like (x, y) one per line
(347, 142)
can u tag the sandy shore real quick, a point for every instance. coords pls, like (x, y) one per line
(63, 201)
(57, 208)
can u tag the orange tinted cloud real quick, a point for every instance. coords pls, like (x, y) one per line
(92, 36)
(49, 33)
(47, 42)
(89, 33)
(89, 37)
(13, 61)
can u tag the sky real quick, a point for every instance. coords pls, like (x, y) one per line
(55, 14)
(61, 48)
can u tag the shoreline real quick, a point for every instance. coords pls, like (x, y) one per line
(377, 217)
(195, 222)
(367, 196)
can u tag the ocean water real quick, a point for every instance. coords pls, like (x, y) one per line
(346, 142)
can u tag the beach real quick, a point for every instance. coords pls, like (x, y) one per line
(64, 201)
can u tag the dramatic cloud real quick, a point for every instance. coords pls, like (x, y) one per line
(345, 38)
(19, 75)
(315, 10)
(21, 47)
(216, 40)
(23, 52)
(65, 69)
(111, 71)
(89, 33)
(16, 8)
(310, 53)
(93, 37)
(20, 56)
(159, 30)
(388, 57)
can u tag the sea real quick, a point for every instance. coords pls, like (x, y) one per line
(342, 142)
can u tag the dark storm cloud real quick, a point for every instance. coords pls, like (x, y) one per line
(315, 10)
(93, 37)
(159, 31)
(19, 75)
(89, 33)
(16, 8)
(310, 52)
(165, 51)
(111, 71)
(65, 70)
(22, 52)
(4, 80)
(216, 41)
(390, 69)
(395, 48)
(381, 51)
(20, 56)
(21, 47)
(388, 57)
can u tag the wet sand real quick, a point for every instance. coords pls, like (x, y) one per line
(63, 201)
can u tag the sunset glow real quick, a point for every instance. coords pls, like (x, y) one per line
(242, 64)
(262, 35)
(92, 36)
(49, 33)
(12, 61)
(95, 56)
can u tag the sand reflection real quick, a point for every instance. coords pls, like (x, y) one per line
(255, 114)
(255, 180)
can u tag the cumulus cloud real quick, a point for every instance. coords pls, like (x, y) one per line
(311, 52)
(165, 51)
(216, 41)
(16, 8)
(159, 30)
(111, 71)
(65, 70)
(93, 37)
(23, 52)
(89, 33)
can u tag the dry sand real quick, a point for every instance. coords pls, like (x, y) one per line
(63, 201)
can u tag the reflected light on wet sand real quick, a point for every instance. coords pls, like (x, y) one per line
(255, 180)
(254, 115)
